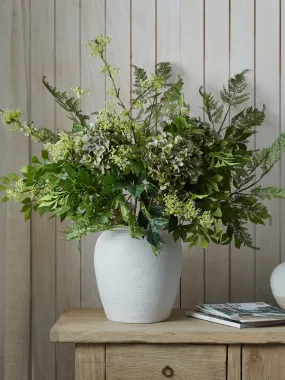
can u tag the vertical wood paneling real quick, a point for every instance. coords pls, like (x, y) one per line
(4, 102)
(92, 25)
(67, 66)
(282, 123)
(17, 258)
(168, 46)
(192, 70)
(267, 91)
(242, 265)
(216, 74)
(43, 229)
(118, 52)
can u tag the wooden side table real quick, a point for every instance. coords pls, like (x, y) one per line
(181, 348)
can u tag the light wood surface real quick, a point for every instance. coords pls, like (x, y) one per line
(192, 71)
(267, 91)
(43, 230)
(89, 362)
(234, 362)
(263, 362)
(68, 271)
(147, 362)
(14, 21)
(91, 325)
(216, 73)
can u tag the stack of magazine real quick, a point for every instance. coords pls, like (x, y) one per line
(240, 315)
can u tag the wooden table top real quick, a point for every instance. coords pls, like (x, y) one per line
(91, 326)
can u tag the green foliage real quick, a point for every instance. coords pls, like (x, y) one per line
(69, 104)
(234, 94)
(151, 164)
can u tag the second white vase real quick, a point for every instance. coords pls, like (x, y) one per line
(136, 286)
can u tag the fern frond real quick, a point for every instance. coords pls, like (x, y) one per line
(211, 106)
(266, 158)
(69, 104)
(248, 118)
(241, 235)
(268, 192)
(163, 69)
(234, 94)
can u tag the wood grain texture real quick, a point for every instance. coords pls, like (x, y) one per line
(90, 362)
(118, 52)
(43, 229)
(92, 25)
(267, 92)
(91, 326)
(143, 34)
(146, 362)
(4, 101)
(234, 362)
(263, 362)
(68, 272)
(216, 74)
(168, 49)
(192, 71)
(17, 255)
(282, 124)
(242, 261)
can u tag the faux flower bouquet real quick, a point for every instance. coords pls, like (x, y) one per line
(150, 163)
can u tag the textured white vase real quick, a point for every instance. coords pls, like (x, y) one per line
(136, 286)
(277, 282)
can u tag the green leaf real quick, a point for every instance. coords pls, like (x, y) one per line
(27, 214)
(14, 177)
(104, 219)
(5, 180)
(121, 184)
(173, 222)
(203, 242)
(160, 221)
(5, 199)
(45, 156)
(190, 238)
(27, 169)
(218, 213)
(237, 243)
(195, 242)
(135, 190)
(217, 178)
(107, 179)
(142, 219)
(77, 127)
(3, 188)
(157, 211)
(153, 236)
(176, 234)
(25, 207)
(35, 160)
(268, 192)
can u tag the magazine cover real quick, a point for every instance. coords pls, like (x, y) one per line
(243, 310)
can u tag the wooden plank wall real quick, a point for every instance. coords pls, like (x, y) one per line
(206, 41)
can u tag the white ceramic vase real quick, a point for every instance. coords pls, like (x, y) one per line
(136, 286)
(277, 282)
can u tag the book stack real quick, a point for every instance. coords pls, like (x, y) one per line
(240, 315)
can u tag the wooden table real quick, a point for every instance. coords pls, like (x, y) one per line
(181, 348)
